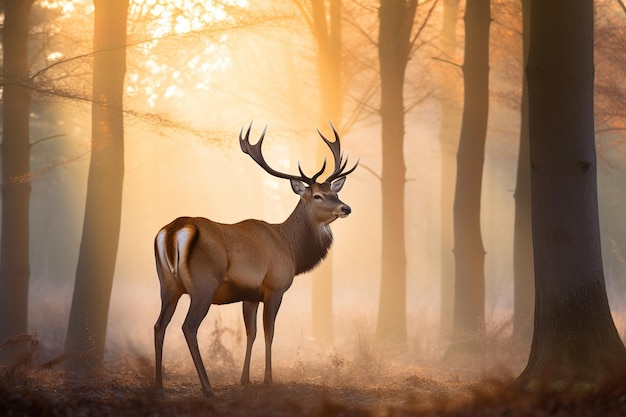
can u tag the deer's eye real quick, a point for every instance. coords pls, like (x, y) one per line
(317, 197)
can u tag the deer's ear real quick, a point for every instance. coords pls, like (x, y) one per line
(297, 186)
(337, 184)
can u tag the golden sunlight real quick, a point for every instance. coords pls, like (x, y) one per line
(65, 6)
(182, 16)
(159, 21)
(174, 45)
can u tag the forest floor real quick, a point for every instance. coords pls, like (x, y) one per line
(332, 386)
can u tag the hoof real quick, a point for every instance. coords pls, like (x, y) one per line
(158, 392)
(208, 394)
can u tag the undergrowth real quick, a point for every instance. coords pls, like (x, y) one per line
(360, 378)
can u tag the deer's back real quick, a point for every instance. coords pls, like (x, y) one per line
(245, 259)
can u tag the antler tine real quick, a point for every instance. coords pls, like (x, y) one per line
(340, 163)
(344, 174)
(256, 154)
(318, 173)
(335, 147)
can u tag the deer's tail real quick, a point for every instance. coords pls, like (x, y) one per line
(172, 246)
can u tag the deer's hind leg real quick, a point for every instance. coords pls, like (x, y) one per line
(169, 300)
(198, 309)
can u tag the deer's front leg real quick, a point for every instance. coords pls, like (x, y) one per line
(271, 304)
(250, 309)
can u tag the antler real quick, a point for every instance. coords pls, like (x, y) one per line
(340, 163)
(256, 154)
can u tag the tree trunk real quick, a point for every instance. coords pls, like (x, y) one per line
(396, 22)
(574, 334)
(448, 142)
(98, 247)
(328, 36)
(14, 265)
(523, 274)
(469, 302)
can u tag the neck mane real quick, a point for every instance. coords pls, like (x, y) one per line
(308, 241)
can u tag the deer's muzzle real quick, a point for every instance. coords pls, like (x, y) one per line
(345, 210)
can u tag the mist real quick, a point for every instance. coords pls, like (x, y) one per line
(188, 94)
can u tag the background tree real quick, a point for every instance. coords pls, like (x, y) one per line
(98, 248)
(574, 333)
(448, 141)
(325, 24)
(394, 47)
(523, 278)
(14, 249)
(469, 300)
(396, 43)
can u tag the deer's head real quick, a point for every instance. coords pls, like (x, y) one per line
(320, 198)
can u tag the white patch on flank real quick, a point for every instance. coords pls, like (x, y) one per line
(160, 239)
(183, 239)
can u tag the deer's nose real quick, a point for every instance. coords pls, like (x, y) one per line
(346, 210)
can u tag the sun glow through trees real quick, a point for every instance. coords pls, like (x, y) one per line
(167, 70)
(173, 45)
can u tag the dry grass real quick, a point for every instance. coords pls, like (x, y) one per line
(359, 378)
(354, 376)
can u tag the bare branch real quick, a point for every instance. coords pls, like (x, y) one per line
(305, 14)
(371, 171)
(363, 103)
(362, 32)
(155, 120)
(30, 176)
(447, 61)
(61, 62)
(424, 22)
(38, 141)
(419, 101)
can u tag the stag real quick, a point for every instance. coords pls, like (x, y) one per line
(251, 261)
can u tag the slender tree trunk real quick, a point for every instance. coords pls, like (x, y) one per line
(396, 22)
(14, 265)
(98, 247)
(469, 302)
(328, 35)
(574, 336)
(448, 142)
(523, 274)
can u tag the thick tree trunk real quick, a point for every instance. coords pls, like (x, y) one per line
(98, 247)
(574, 334)
(523, 273)
(328, 36)
(14, 264)
(469, 300)
(448, 142)
(396, 22)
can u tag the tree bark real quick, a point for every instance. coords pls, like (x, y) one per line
(328, 36)
(523, 273)
(469, 300)
(396, 23)
(14, 252)
(448, 142)
(574, 334)
(98, 249)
